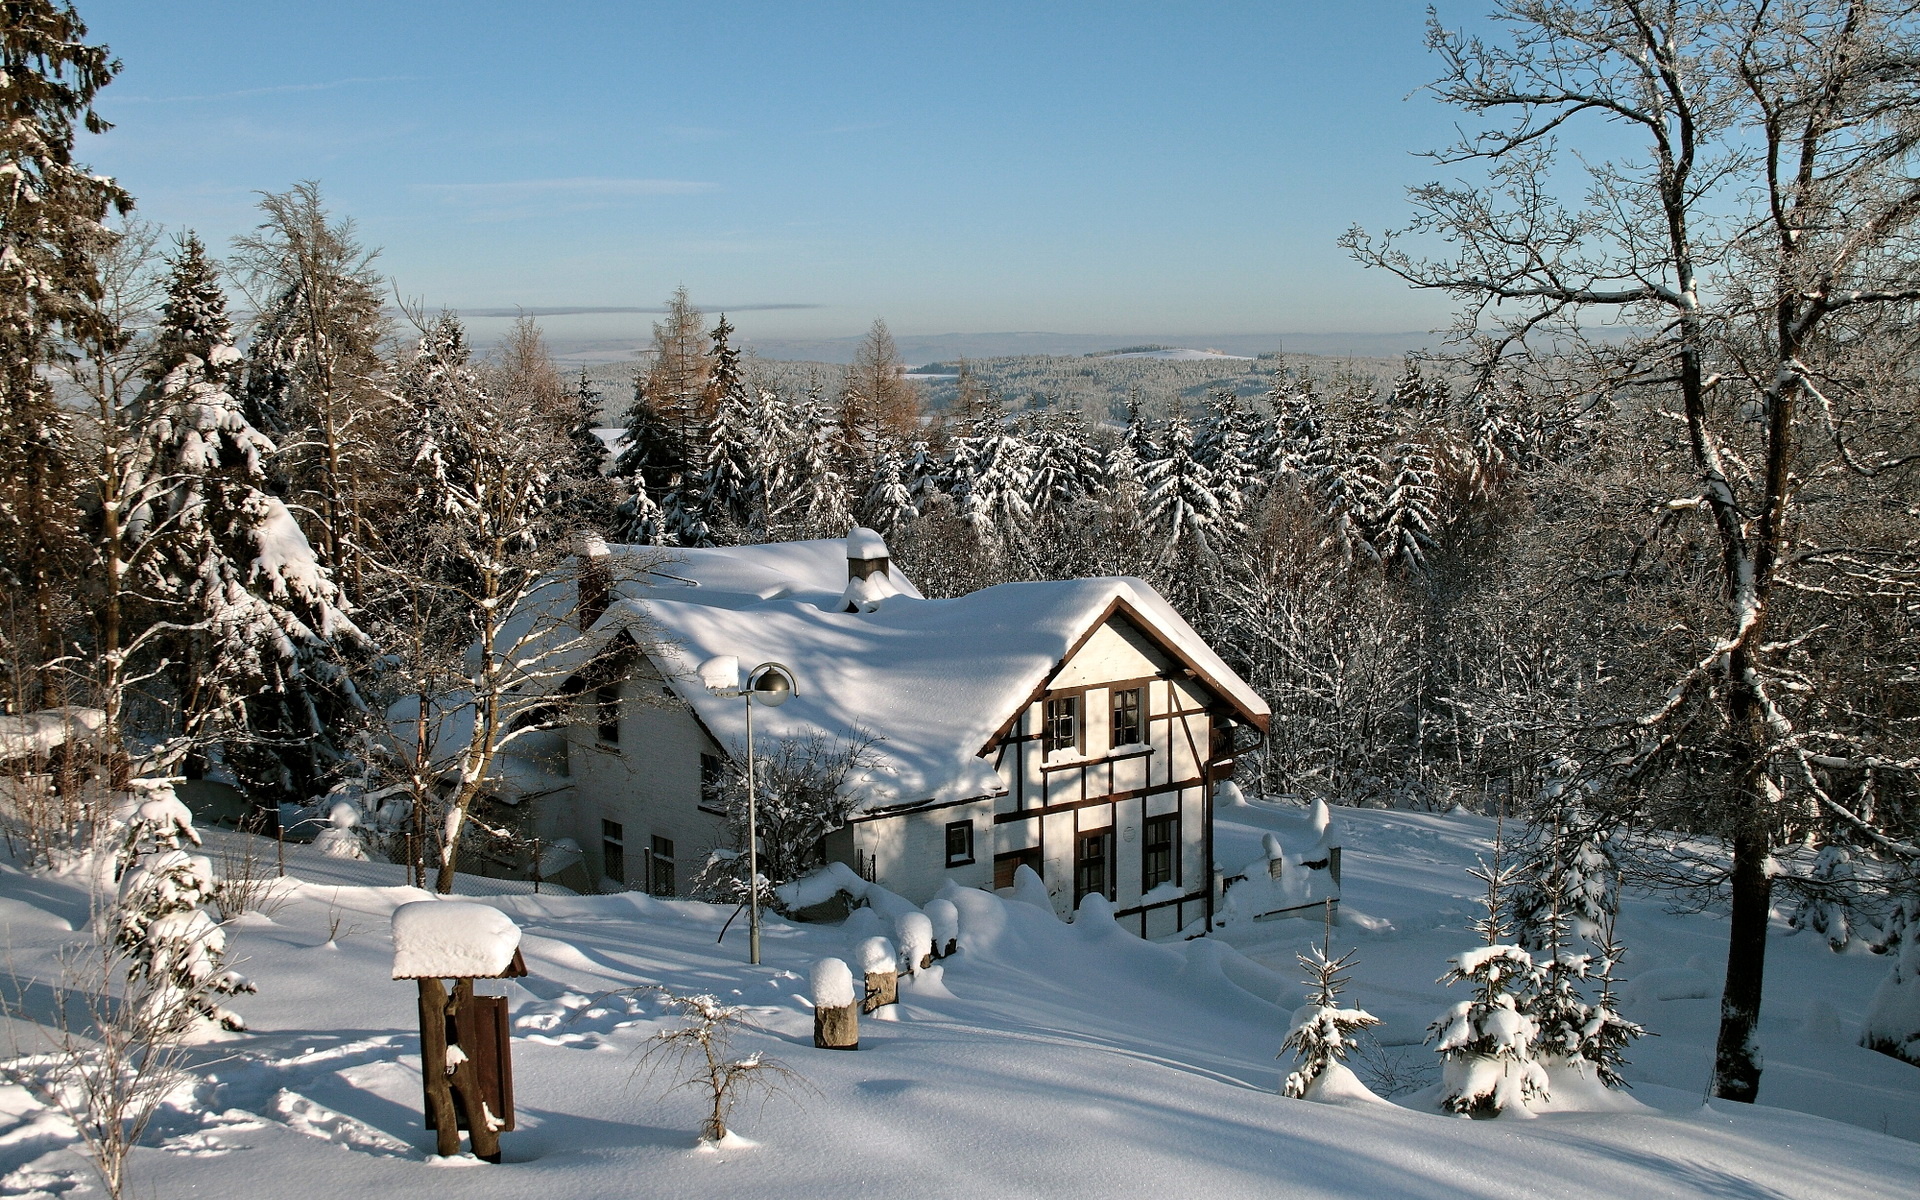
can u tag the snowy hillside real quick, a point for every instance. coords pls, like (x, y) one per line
(1044, 1059)
(1177, 354)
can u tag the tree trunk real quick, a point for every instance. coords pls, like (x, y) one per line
(1737, 1059)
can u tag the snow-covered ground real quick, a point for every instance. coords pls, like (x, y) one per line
(1045, 1059)
(1180, 355)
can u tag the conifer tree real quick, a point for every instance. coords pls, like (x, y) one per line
(1829, 897)
(1488, 1040)
(1567, 871)
(589, 497)
(1065, 465)
(174, 950)
(651, 462)
(1182, 503)
(1323, 1032)
(878, 401)
(990, 471)
(316, 377)
(727, 468)
(815, 501)
(258, 618)
(53, 214)
(889, 502)
(1407, 520)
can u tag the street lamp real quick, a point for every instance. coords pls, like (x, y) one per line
(771, 684)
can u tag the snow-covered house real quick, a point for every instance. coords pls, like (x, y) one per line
(1076, 727)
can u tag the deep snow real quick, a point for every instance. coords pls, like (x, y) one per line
(1044, 1059)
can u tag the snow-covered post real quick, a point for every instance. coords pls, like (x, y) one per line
(467, 1074)
(836, 1020)
(914, 932)
(946, 926)
(881, 968)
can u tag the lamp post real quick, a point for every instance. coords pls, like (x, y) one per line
(770, 683)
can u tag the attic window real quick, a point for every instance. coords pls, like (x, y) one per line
(1062, 724)
(606, 704)
(1126, 718)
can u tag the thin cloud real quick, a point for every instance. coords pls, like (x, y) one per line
(271, 91)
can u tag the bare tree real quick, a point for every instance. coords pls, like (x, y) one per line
(484, 603)
(700, 1049)
(1764, 222)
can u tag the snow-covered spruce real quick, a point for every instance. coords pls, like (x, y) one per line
(1567, 870)
(173, 949)
(1488, 1040)
(1322, 1031)
(1829, 897)
(1892, 1024)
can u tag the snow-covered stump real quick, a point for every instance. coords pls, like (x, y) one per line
(464, 1064)
(836, 1018)
(946, 927)
(915, 934)
(881, 966)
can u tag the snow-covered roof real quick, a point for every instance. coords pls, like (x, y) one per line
(935, 680)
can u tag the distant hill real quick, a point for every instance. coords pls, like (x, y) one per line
(1099, 385)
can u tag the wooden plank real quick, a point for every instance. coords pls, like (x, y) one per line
(479, 1026)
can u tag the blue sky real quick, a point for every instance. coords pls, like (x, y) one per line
(957, 167)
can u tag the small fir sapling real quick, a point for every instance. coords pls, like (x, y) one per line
(1567, 872)
(1605, 1037)
(946, 926)
(1488, 1040)
(1573, 1037)
(1829, 896)
(173, 948)
(1892, 1024)
(700, 1050)
(1323, 1032)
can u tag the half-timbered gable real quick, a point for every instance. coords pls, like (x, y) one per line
(1075, 727)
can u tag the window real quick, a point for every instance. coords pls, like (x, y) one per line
(959, 843)
(613, 851)
(1126, 718)
(660, 881)
(1093, 864)
(713, 783)
(606, 703)
(1063, 724)
(1160, 852)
